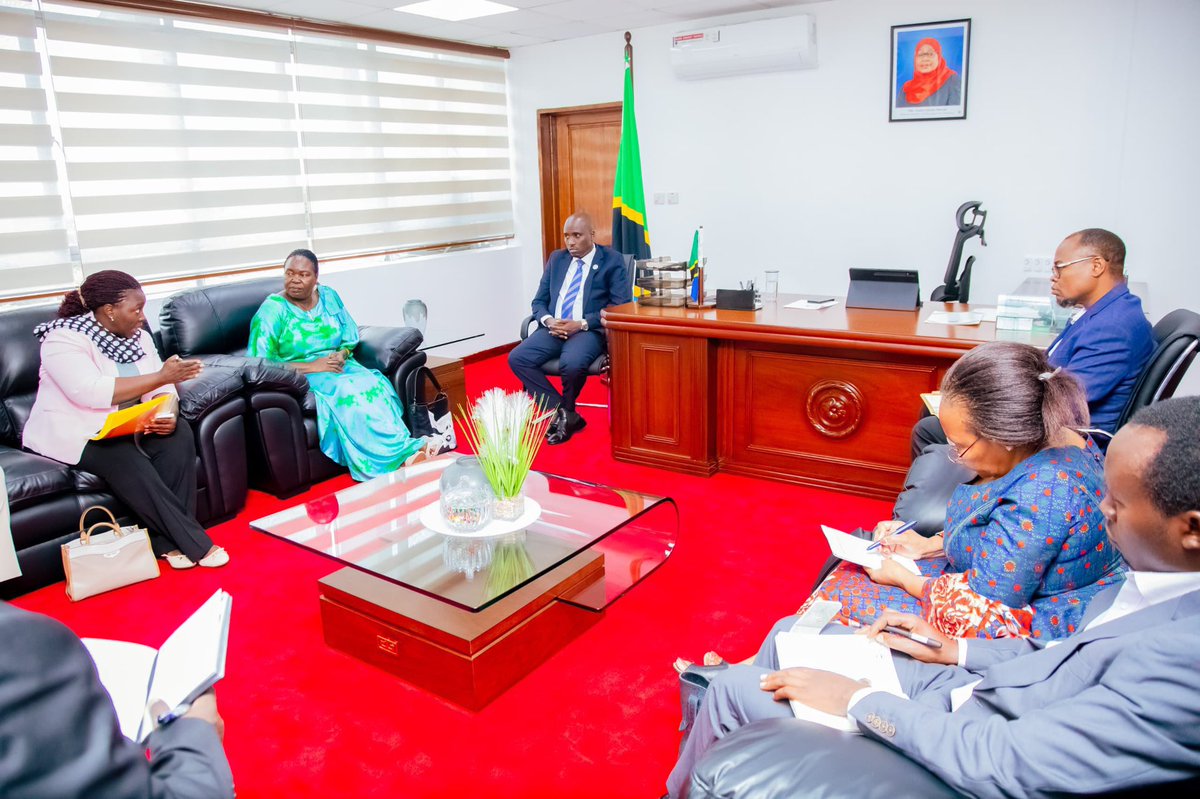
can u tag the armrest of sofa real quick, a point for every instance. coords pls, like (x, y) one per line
(786, 757)
(385, 348)
(210, 388)
(259, 374)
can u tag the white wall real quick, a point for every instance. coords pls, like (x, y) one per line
(1081, 113)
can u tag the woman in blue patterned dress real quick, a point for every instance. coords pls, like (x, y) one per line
(359, 418)
(1025, 547)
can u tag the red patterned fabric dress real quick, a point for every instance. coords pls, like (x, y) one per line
(1024, 555)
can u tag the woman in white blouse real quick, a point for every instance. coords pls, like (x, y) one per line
(97, 357)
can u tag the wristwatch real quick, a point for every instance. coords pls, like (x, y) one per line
(584, 323)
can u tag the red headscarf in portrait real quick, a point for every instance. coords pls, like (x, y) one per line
(924, 84)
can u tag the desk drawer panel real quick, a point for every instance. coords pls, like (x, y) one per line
(828, 418)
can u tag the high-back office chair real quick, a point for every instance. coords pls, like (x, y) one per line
(1177, 339)
(598, 367)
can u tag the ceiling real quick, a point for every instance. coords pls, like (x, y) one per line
(535, 21)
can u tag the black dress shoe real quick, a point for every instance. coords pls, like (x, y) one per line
(565, 425)
(560, 415)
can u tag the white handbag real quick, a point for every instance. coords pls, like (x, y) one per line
(101, 561)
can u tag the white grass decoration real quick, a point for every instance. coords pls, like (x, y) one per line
(506, 431)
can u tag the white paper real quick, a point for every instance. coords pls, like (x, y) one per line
(124, 670)
(965, 318)
(190, 662)
(854, 549)
(193, 658)
(853, 656)
(809, 305)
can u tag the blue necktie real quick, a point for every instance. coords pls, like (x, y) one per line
(573, 292)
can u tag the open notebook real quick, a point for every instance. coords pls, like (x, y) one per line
(853, 549)
(853, 656)
(190, 662)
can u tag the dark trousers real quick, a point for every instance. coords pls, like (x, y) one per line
(928, 430)
(155, 476)
(574, 355)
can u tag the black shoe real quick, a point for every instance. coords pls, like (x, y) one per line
(560, 415)
(565, 425)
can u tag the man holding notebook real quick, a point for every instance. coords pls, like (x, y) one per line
(59, 734)
(1114, 707)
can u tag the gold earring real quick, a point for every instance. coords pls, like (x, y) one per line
(111, 318)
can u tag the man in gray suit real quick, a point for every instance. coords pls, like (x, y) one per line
(59, 736)
(1115, 706)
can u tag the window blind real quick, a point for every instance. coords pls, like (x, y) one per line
(34, 247)
(402, 147)
(193, 146)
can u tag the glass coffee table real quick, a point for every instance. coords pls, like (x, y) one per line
(466, 616)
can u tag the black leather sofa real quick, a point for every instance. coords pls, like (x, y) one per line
(780, 757)
(46, 497)
(284, 452)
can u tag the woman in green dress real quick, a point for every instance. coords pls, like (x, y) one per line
(359, 418)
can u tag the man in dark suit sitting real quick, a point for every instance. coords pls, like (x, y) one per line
(576, 284)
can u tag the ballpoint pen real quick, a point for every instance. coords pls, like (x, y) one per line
(920, 639)
(167, 718)
(902, 529)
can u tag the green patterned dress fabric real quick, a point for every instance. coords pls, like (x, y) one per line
(359, 418)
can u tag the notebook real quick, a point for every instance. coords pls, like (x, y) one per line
(188, 663)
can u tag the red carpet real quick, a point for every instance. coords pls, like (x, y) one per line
(596, 720)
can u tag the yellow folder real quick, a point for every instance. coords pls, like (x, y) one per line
(127, 421)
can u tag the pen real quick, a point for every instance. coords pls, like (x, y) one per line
(902, 529)
(167, 718)
(920, 639)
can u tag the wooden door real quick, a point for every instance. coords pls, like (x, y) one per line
(577, 154)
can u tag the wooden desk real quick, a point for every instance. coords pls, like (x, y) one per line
(823, 398)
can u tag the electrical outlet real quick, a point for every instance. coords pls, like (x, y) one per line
(1037, 264)
(660, 198)
(673, 198)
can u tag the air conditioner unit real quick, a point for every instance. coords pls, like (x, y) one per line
(735, 48)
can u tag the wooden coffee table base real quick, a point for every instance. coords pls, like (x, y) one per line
(467, 658)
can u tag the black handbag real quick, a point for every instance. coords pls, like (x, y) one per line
(430, 419)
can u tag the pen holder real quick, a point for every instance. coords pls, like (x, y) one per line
(735, 300)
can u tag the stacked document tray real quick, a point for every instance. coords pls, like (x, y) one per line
(665, 281)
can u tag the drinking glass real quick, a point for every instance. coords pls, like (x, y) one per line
(770, 291)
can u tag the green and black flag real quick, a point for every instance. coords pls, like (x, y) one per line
(630, 234)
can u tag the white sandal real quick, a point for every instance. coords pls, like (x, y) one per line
(218, 557)
(178, 560)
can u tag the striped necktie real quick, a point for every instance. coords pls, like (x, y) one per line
(568, 305)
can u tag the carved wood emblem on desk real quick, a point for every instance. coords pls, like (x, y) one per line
(835, 408)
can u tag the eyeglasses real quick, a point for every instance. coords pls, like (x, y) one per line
(1057, 269)
(955, 454)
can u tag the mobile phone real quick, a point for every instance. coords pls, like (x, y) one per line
(819, 613)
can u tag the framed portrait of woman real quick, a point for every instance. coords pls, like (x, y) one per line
(929, 71)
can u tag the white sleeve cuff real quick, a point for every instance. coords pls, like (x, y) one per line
(544, 318)
(962, 653)
(855, 698)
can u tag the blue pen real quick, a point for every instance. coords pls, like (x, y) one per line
(167, 718)
(902, 529)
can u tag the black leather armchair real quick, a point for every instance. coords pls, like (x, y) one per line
(1176, 339)
(213, 324)
(46, 497)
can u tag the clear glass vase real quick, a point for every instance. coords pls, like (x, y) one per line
(466, 501)
(509, 509)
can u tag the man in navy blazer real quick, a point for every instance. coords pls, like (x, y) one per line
(577, 283)
(1106, 348)
(1114, 707)
(1109, 345)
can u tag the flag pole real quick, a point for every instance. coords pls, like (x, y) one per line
(629, 51)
